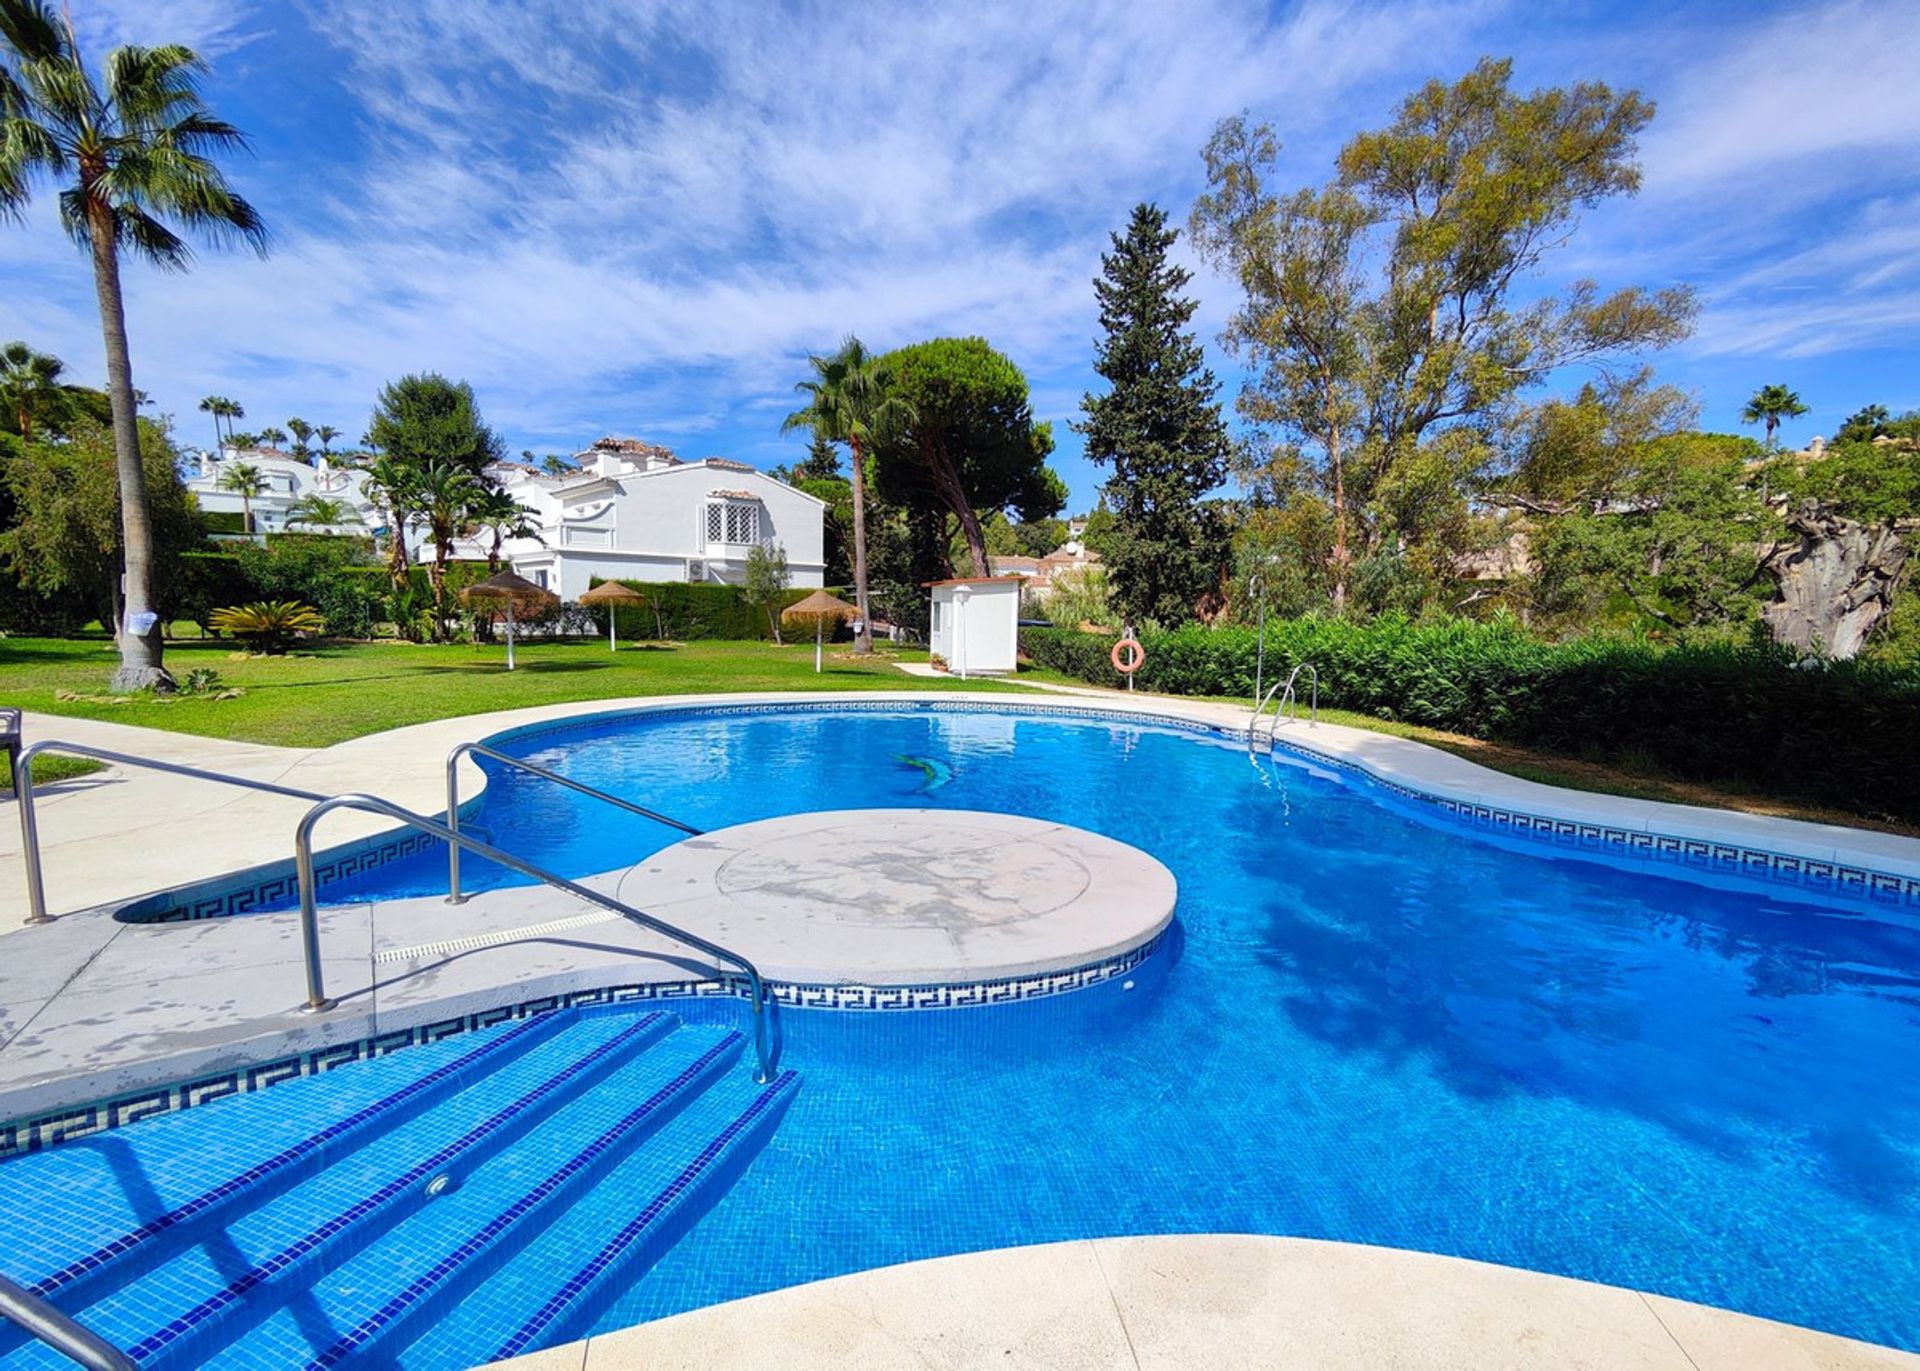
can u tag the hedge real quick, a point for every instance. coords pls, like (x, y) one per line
(1844, 734)
(685, 611)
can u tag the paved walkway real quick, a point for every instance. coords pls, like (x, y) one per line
(1208, 1302)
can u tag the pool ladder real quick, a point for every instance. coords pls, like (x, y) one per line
(1289, 696)
(44, 1323)
(450, 833)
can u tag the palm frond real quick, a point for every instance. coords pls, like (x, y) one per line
(153, 240)
(33, 31)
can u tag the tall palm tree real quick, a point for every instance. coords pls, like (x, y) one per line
(1771, 404)
(444, 498)
(30, 387)
(390, 486)
(302, 436)
(326, 433)
(850, 400)
(273, 437)
(241, 441)
(244, 479)
(132, 149)
(218, 406)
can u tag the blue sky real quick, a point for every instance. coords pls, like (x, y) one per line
(637, 219)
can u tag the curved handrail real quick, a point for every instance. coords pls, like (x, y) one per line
(1288, 695)
(72, 1340)
(453, 803)
(317, 1000)
(30, 827)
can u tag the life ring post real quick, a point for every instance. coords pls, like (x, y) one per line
(1128, 657)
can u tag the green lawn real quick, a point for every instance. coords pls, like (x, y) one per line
(338, 691)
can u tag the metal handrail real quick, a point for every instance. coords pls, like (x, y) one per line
(75, 1341)
(1288, 695)
(30, 828)
(317, 1000)
(453, 803)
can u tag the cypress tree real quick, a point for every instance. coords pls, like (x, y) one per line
(1158, 426)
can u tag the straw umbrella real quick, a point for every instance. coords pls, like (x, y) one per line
(516, 591)
(612, 594)
(819, 609)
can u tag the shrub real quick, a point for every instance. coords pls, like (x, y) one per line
(1845, 734)
(269, 626)
(685, 612)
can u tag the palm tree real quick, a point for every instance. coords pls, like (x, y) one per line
(1769, 405)
(850, 400)
(240, 441)
(302, 436)
(217, 406)
(326, 433)
(273, 437)
(245, 480)
(505, 517)
(444, 497)
(320, 512)
(390, 485)
(30, 387)
(133, 150)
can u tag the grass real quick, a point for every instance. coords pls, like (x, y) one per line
(331, 692)
(1639, 782)
(47, 770)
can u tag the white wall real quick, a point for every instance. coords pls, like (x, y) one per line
(976, 625)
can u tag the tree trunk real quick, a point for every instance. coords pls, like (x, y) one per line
(140, 653)
(437, 573)
(1836, 582)
(863, 641)
(397, 564)
(1337, 461)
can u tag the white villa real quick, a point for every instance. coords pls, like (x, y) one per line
(632, 511)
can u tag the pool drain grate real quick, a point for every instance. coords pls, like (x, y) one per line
(479, 940)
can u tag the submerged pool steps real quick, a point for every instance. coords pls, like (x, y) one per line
(356, 1239)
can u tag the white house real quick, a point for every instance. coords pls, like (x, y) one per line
(286, 480)
(631, 511)
(975, 625)
(634, 511)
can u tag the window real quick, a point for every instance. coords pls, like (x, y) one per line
(733, 522)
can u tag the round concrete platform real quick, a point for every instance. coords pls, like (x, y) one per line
(908, 896)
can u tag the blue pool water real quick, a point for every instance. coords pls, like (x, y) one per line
(1375, 1027)
(1370, 1025)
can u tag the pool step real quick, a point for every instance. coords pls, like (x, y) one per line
(89, 1217)
(572, 1271)
(242, 1269)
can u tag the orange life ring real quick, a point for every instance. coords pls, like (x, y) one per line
(1125, 662)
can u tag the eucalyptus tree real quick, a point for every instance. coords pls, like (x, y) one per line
(1380, 320)
(244, 479)
(851, 400)
(131, 147)
(30, 388)
(1770, 405)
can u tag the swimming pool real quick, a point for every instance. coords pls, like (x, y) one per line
(1373, 1025)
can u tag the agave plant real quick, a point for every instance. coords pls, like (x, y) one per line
(268, 626)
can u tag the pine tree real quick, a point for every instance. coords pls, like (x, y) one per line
(1159, 426)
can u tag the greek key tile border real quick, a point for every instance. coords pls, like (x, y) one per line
(217, 899)
(33, 1134)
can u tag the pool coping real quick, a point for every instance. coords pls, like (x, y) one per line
(1205, 1300)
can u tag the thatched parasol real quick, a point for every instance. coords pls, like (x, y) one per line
(516, 590)
(818, 609)
(612, 594)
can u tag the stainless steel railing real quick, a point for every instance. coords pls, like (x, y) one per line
(317, 1001)
(29, 824)
(1288, 696)
(481, 749)
(46, 1324)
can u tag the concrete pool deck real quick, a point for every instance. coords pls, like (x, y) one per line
(1207, 1301)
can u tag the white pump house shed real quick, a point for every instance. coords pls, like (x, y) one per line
(975, 624)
